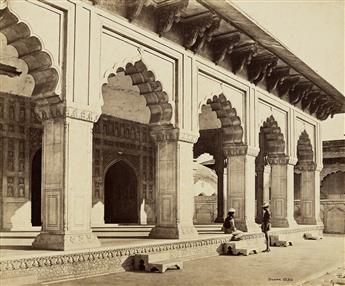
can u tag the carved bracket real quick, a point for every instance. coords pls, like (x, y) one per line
(299, 91)
(276, 77)
(289, 82)
(168, 14)
(224, 44)
(199, 30)
(242, 55)
(260, 67)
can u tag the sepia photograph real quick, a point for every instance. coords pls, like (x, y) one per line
(172, 142)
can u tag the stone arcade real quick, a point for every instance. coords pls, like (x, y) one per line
(112, 100)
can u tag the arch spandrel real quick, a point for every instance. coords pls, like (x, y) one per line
(26, 68)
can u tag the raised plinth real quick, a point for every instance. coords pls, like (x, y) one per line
(178, 232)
(65, 241)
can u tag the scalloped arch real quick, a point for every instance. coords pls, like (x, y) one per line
(30, 59)
(230, 121)
(157, 100)
(304, 148)
(272, 139)
(330, 174)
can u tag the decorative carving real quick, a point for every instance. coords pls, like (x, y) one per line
(299, 91)
(276, 77)
(224, 44)
(199, 30)
(289, 82)
(231, 150)
(230, 122)
(260, 67)
(242, 55)
(161, 134)
(168, 14)
(277, 159)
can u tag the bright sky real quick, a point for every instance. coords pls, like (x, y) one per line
(314, 31)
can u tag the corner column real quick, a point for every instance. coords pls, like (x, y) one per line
(220, 190)
(282, 197)
(174, 181)
(66, 179)
(241, 185)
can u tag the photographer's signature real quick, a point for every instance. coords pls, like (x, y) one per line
(280, 279)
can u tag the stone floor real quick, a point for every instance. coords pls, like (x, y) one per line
(306, 261)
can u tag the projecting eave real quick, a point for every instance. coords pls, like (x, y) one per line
(239, 20)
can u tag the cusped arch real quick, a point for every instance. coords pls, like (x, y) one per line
(230, 121)
(305, 152)
(24, 56)
(325, 177)
(157, 100)
(119, 160)
(271, 139)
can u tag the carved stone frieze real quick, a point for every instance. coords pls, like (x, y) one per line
(242, 55)
(198, 30)
(276, 77)
(223, 45)
(60, 110)
(261, 66)
(168, 14)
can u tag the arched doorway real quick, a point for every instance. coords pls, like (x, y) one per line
(120, 194)
(36, 177)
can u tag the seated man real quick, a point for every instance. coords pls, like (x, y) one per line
(229, 225)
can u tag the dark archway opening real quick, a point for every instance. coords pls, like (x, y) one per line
(36, 179)
(120, 194)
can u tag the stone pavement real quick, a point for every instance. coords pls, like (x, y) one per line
(305, 261)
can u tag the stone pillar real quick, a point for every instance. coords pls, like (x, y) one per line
(282, 188)
(310, 205)
(174, 181)
(220, 190)
(66, 180)
(241, 186)
(262, 190)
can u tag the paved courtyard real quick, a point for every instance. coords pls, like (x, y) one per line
(303, 262)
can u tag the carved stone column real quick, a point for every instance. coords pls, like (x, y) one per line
(66, 179)
(262, 190)
(220, 190)
(174, 180)
(308, 194)
(282, 202)
(241, 186)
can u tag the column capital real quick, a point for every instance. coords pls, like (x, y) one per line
(292, 161)
(306, 166)
(61, 110)
(164, 133)
(231, 150)
(280, 159)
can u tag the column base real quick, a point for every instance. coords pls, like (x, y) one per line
(284, 222)
(175, 232)
(247, 226)
(49, 241)
(310, 221)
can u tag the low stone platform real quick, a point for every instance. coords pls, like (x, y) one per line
(30, 266)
